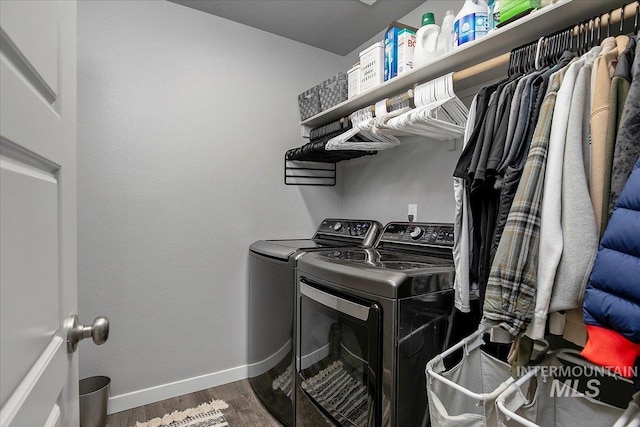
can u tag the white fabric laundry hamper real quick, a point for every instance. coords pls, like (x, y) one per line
(568, 409)
(465, 395)
(480, 392)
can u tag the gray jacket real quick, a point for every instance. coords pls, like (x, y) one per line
(628, 139)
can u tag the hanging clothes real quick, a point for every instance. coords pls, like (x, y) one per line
(602, 74)
(612, 300)
(534, 91)
(482, 193)
(470, 280)
(462, 227)
(571, 325)
(620, 84)
(579, 230)
(510, 295)
(551, 238)
(627, 145)
(534, 166)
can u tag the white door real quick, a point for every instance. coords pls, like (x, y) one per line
(39, 378)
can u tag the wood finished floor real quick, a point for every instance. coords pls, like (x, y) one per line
(245, 409)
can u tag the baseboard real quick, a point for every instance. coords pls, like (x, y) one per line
(145, 396)
(125, 401)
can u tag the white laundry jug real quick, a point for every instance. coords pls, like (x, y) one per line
(426, 40)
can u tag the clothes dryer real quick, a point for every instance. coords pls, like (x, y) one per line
(272, 283)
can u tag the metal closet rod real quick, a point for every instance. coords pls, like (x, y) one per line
(606, 19)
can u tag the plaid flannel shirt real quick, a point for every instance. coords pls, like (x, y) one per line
(511, 289)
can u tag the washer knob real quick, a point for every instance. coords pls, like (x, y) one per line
(416, 233)
(337, 226)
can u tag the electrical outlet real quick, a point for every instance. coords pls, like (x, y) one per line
(412, 212)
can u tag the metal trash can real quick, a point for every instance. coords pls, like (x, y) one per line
(94, 397)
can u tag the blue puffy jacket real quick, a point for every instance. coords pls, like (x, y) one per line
(612, 299)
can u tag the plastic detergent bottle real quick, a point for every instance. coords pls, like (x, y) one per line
(445, 38)
(426, 40)
(494, 14)
(471, 22)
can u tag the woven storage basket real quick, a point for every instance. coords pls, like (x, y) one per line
(309, 102)
(333, 91)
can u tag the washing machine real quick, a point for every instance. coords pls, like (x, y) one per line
(368, 322)
(272, 283)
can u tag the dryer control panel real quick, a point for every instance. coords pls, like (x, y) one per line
(364, 231)
(417, 233)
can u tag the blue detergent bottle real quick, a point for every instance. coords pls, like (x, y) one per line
(471, 23)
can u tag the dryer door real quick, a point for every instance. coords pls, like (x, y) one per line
(338, 358)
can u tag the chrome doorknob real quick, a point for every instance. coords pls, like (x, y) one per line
(76, 332)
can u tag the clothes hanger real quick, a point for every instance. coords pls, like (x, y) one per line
(439, 113)
(578, 39)
(393, 107)
(510, 65)
(521, 59)
(561, 45)
(552, 49)
(585, 42)
(537, 62)
(516, 62)
(362, 122)
(417, 120)
(531, 57)
(621, 20)
(564, 43)
(558, 47)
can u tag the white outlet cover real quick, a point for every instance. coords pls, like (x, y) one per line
(413, 210)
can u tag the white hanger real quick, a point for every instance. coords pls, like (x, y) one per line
(362, 124)
(383, 115)
(538, 49)
(439, 113)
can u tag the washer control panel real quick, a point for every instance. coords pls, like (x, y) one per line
(419, 233)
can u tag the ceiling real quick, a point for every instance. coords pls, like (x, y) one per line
(338, 26)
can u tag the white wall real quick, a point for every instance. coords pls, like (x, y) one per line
(419, 171)
(183, 121)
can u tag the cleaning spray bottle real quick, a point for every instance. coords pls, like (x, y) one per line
(445, 38)
(426, 40)
(471, 22)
